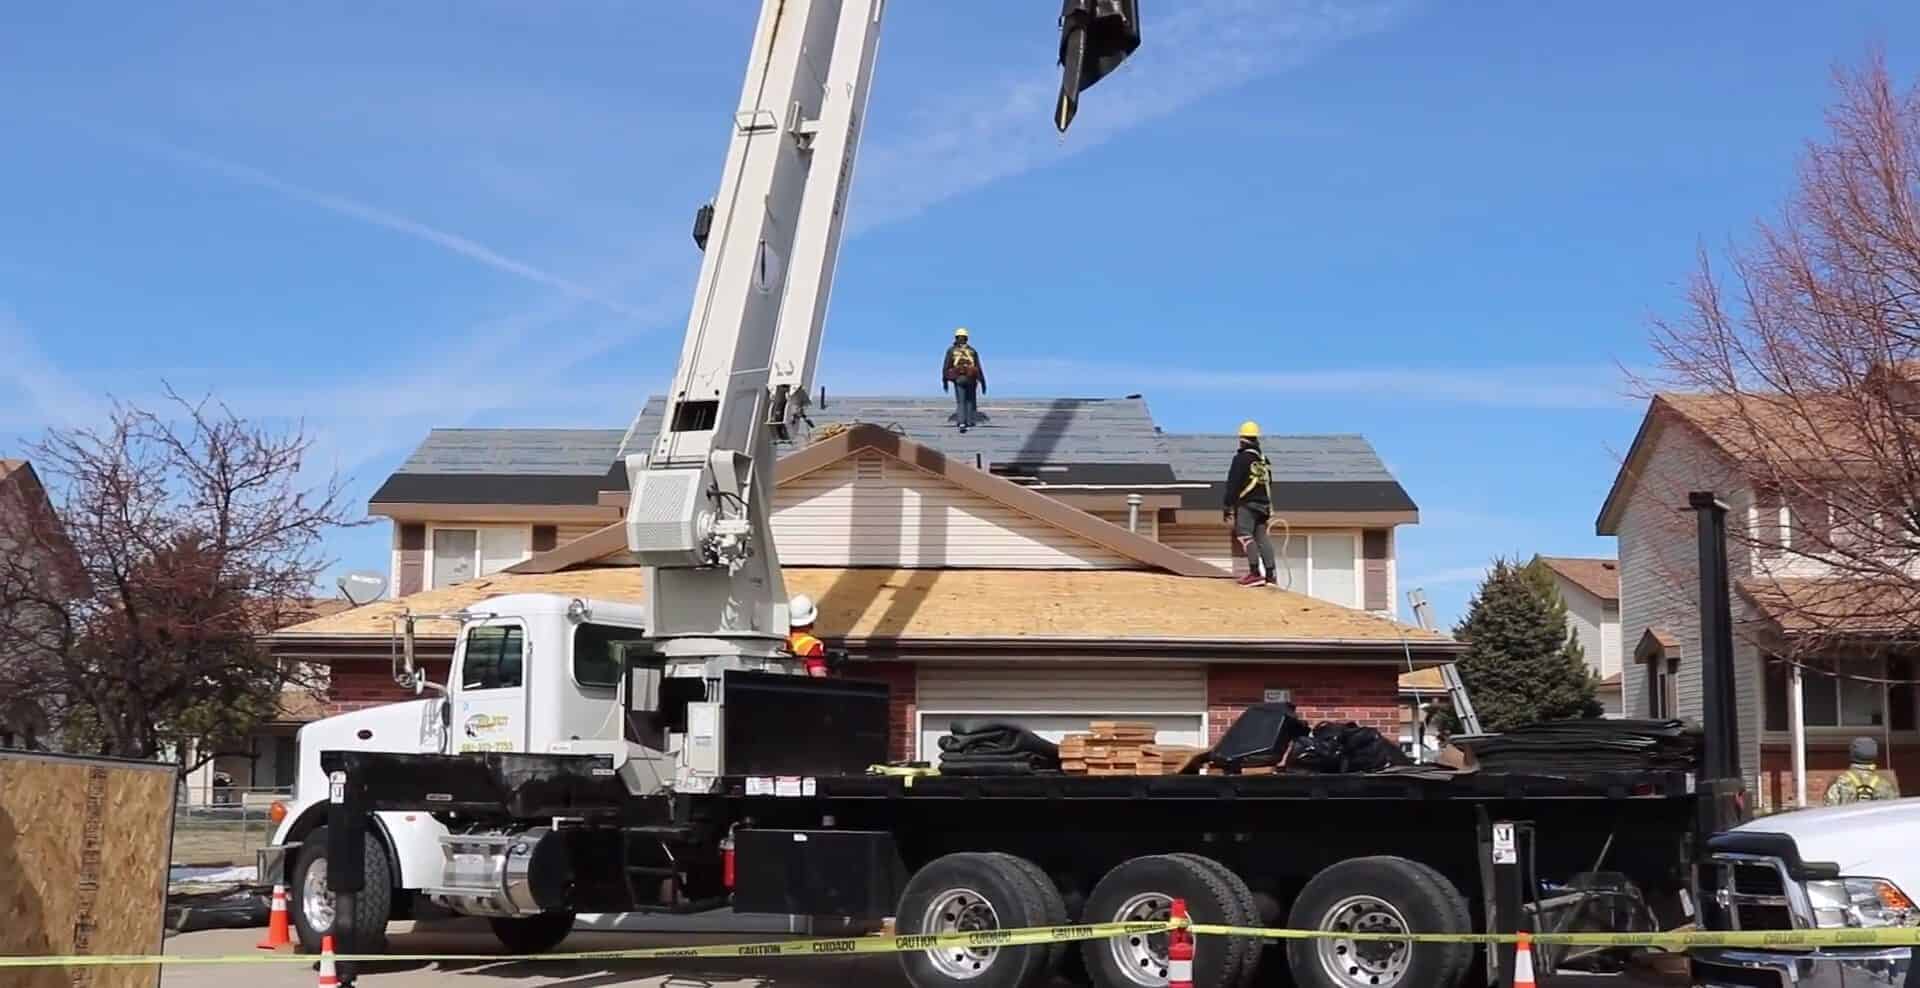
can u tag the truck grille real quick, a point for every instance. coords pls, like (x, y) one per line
(1755, 893)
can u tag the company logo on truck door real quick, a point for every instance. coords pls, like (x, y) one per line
(483, 724)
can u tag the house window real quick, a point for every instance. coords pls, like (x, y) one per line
(1831, 701)
(461, 554)
(494, 658)
(1320, 565)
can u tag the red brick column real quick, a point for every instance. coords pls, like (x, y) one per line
(901, 680)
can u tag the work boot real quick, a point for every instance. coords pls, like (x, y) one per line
(1252, 580)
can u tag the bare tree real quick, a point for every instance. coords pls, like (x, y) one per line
(1801, 360)
(180, 538)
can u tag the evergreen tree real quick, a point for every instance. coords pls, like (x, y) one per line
(1519, 667)
(1540, 577)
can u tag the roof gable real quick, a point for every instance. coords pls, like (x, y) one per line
(1599, 577)
(862, 439)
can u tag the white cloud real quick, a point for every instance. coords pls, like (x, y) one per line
(34, 391)
(987, 133)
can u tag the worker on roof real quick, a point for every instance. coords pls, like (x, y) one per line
(1862, 781)
(1249, 504)
(800, 641)
(962, 371)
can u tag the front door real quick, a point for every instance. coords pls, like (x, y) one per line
(490, 708)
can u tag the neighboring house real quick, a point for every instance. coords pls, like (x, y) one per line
(1591, 590)
(1683, 445)
(974, 594)
(44, 561)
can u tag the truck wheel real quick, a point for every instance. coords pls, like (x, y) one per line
(311, 901)
(1379, 895)
(1053, 907)
(532, 934)
(1143, 890)
(1249, 916)
(972, 893)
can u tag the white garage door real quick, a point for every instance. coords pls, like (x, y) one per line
(1053, 701)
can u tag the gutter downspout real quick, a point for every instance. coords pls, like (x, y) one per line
(1797, 726)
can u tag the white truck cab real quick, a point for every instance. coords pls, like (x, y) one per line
(530, 673)
(1837, 867)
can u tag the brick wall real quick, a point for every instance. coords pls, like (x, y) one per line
(1368, 696)
(899, 677)
(357, 684)
(1824, 764)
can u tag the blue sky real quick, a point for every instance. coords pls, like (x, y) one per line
(1442, 225)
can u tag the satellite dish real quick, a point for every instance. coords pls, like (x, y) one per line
(362, 586)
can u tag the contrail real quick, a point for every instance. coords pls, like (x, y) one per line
(341, 205)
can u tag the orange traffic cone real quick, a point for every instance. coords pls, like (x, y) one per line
(328, 979)
(1523, 961)
(1179, 949)
(277, 937)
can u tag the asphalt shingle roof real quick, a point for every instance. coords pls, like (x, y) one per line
(543, 452)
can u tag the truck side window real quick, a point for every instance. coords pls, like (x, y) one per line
(596, 663)
(494, 658)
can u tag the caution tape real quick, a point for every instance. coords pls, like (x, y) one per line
(842, 946)
(987, 939)
(1779, 939)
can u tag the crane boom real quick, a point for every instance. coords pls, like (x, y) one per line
(698, 515)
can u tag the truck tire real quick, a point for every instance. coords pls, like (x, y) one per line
(532, 934)
(1379, 895)
(971, 893)
(1143, 890)
(1249, 916)
(1053, 906)
(308, 894)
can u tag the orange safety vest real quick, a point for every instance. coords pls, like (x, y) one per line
(813, 650)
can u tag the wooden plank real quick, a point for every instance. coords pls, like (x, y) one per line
(84, 849)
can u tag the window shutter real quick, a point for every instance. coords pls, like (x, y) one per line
(413, 558)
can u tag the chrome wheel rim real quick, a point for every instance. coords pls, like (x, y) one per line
(1364, 963)
(1143, 957)
(316, 900)
(960, 911)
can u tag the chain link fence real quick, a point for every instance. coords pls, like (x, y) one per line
(222, 826)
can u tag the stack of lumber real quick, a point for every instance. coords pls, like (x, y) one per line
(1115, 747)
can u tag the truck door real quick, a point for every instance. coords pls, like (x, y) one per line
(490, 706)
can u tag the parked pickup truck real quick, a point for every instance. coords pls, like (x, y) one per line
(1834, 868)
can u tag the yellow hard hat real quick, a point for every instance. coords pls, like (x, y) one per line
(960, 334)
(1249, 429)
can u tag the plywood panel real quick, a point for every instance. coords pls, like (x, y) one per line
(84, 847)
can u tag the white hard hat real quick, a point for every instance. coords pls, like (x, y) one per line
(800, 611)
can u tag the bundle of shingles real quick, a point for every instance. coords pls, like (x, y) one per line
(1590, 745)
(1114, 747)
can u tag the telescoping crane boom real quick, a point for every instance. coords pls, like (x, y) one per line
(700, 495)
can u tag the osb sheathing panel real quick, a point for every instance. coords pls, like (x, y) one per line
(84, 848)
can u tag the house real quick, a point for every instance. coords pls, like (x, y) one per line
(1688, 443)
(35, 558)
(1591, 590)
(972, 591)
(473, 501)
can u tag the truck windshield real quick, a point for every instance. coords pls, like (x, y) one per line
(595, 660)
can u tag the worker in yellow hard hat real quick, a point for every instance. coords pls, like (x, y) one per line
(962, 371)
(1248, 506)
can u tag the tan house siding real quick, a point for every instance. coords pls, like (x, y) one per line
(1659, 579)
(567, 533)
(872, 510)
(1211, 543)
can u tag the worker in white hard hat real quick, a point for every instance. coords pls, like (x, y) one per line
(800, 641)
(962, 371)
(1248, 506)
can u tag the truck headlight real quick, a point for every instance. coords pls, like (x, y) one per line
(1860, 903)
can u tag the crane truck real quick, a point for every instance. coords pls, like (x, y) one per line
(584, 759)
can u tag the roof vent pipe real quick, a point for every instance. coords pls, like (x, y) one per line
(1133, 513)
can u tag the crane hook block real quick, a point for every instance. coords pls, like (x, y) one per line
(1095, 37)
